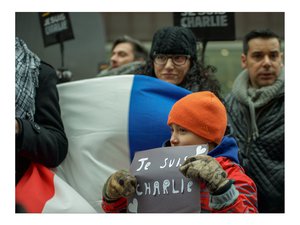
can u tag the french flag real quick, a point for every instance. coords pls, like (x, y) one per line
(106, 121)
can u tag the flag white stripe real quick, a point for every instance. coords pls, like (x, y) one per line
(92, 155)
(66, 200)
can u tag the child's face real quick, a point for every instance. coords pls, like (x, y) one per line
(181, 137)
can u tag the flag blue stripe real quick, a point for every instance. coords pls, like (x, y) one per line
(150, 102)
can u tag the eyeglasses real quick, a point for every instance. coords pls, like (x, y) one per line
(178, 60)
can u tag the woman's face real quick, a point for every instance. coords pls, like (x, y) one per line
(170, 72)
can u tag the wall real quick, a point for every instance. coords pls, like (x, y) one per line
(82, 54)
(143, 25)
(94, 32)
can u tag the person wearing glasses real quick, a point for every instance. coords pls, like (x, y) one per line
(173, 58)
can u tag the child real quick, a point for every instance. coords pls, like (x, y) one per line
(198, 118)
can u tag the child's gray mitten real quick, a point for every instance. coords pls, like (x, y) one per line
(206, 169)
(119, 184)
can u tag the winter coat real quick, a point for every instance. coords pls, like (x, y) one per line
(42, 140)
(260, 137)
(227, 155)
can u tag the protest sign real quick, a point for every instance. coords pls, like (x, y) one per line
(56, 27)
(209, 26)
(161, 187)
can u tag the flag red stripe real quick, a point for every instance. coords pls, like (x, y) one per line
(35, 188)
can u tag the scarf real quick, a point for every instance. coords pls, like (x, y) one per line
(256, 98)
(26, 80)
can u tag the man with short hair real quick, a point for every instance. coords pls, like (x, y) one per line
(255, 110)
(127, 54)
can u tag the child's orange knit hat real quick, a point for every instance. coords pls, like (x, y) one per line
(201, 113)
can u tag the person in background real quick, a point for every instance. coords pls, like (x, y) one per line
(198, 118)
(255, 110)
(39, 130)
(127, 54)
(173, 58)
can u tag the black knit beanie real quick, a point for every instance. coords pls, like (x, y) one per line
(174, 40)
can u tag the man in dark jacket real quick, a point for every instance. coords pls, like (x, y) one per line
(255, 110)
(40, 135)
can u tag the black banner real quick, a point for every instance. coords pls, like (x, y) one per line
(56, 27)
(208, 26)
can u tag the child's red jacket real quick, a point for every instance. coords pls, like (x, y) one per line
(226, 153)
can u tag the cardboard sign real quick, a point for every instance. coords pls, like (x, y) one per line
(161, 186)
(208, 26)
(56, 27)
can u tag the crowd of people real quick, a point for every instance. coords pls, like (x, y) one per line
(244, 169)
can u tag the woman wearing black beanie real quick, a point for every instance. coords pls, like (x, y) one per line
(173, 58)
